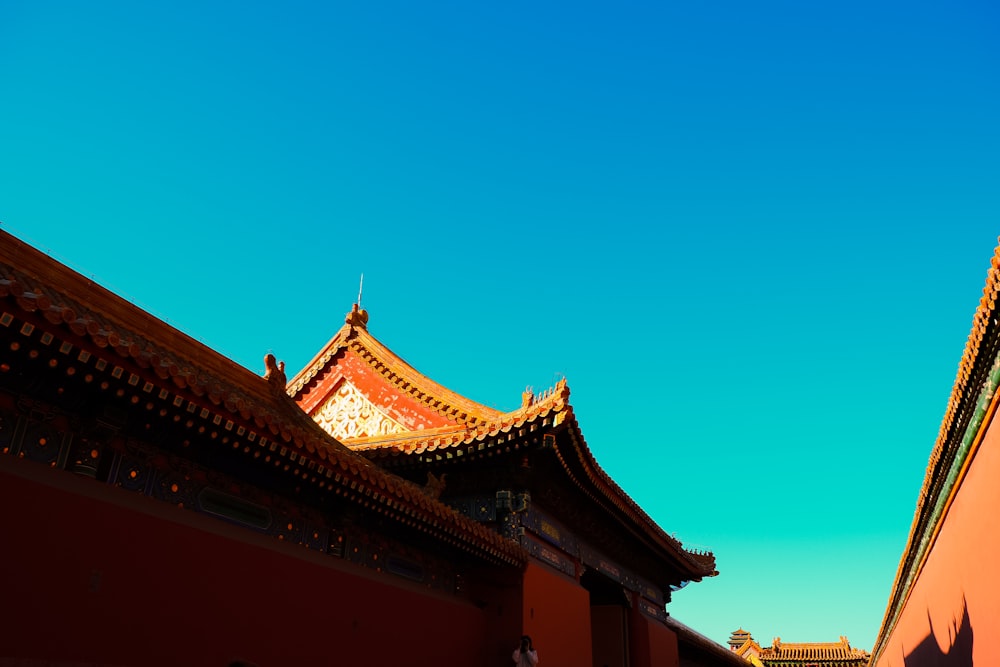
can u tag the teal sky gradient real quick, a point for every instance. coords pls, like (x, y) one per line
(752, 236)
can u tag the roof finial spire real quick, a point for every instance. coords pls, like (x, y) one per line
(361, 286)
(357, 317)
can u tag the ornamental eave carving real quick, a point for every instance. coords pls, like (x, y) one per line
(348, 414)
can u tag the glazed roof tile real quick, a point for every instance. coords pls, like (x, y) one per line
(77, 306)
(971, 392)
(813, 651)
(395, 371)
(478, 426)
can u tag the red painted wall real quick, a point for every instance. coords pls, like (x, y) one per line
(653, 644)
(500, 595)
(90, 573)
(953, 612)
(609, 634)
(556, 614)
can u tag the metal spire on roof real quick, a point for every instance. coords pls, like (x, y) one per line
(360, 288)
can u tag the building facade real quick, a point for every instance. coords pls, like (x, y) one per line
(164, 505)
(598, 566)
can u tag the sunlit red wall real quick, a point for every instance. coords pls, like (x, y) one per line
(961, 576)
(557, 616)
(94, 574)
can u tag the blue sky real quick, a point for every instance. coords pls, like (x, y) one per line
(751, 236)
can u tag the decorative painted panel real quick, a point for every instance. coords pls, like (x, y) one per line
(132, 474)
(349, 414)
(42, 442)
(609, 568)
(316, 537)
(85, 456)
(175, 489)
(8, 426)
(547, 554)
(653, 610)
(551, 531)
(480, 508)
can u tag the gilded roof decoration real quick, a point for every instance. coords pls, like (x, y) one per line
(394, 371)
(349, 414)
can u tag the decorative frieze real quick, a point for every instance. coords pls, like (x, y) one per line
(552, 531)
(546, 553)
(349, 414)
(480, 508)
(141, 468)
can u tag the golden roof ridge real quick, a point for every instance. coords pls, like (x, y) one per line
(408, 379)
(395, 370)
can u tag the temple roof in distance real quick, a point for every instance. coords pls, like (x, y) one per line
(813, 652)
(788, 654)
(377, 404)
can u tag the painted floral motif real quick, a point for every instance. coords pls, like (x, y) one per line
(349, 414)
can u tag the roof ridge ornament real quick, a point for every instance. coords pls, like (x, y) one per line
(527, 397)
(274, 373)
(357, 317)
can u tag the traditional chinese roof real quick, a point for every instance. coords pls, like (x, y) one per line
(45, 299)
(813, 653)
(738, 637)
(379, 405)
(973, 396)
(744, 645)
(371, 377)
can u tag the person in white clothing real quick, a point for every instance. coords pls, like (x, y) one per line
(525, 655)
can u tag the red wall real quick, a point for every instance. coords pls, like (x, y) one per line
(608, 642)
(90, 573)
(958, 591)
(557, 616)
(499, 593)
(653, 643)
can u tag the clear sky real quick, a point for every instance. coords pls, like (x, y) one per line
(752, 236)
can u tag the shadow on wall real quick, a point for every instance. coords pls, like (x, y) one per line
(928, 654)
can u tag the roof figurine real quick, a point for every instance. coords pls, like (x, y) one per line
(527, 398)
(358, 317)
(275, 372)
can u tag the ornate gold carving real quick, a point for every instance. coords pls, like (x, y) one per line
(349, 414)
